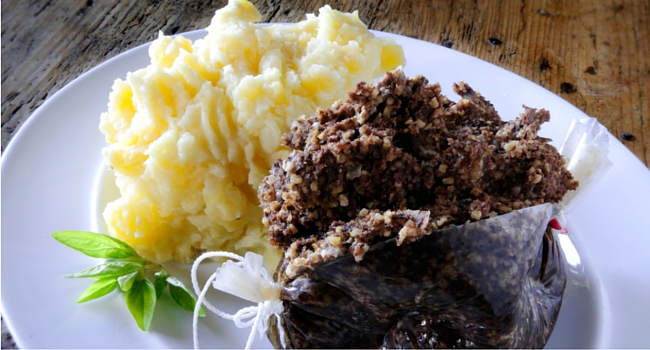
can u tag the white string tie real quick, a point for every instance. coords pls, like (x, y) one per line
(245, 278)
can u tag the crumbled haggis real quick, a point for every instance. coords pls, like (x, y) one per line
(399, 159)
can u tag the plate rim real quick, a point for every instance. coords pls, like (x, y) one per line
(39, 113)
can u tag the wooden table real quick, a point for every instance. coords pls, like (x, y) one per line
(594, 54)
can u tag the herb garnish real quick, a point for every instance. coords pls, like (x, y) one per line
(126, 270)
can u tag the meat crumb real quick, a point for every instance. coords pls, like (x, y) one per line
(398, 160)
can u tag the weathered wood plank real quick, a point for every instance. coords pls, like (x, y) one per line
(593, 54)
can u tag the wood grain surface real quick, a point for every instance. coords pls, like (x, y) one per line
(594, 54)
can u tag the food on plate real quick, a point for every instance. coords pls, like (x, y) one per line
(191, 135)
(409, 220)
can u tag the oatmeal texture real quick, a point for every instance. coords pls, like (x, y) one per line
(400, 159)
(411, 221)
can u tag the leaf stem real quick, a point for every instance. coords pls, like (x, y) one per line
(125, 269)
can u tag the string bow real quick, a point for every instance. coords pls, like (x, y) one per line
(245, 278)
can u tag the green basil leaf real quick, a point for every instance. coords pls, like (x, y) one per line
(109, 269)
(182, 295)
(98, 289)
(141, 301)
(126, 281)
(160, 282)
(95, 245)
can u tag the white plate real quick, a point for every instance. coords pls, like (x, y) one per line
(49, 176)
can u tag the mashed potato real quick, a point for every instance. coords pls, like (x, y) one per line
(192, 135)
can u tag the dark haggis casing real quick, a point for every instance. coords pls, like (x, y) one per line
(494, 283)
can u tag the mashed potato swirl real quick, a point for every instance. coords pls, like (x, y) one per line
(191, 135)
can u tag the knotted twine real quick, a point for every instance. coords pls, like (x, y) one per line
(245, 278)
